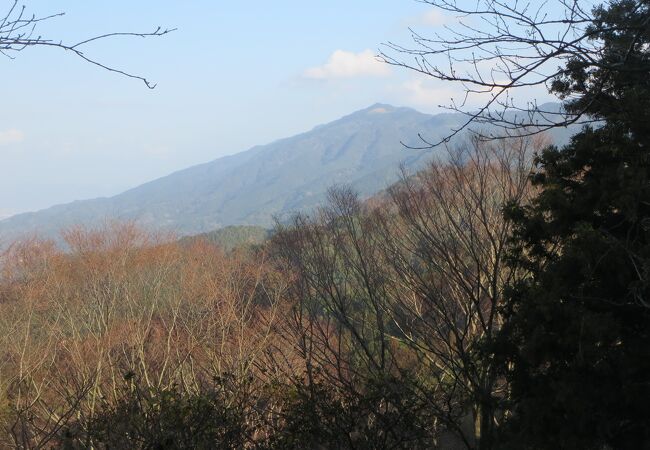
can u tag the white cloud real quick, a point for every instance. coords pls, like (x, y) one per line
(434, 18)
(343, 64)
(11, 136)
(421, 92)
(429, 93)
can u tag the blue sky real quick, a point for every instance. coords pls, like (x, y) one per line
(234, 74)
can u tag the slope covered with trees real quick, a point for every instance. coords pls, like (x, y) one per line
(362, 149)
(496, 299)
(232, 237)
(359, 326)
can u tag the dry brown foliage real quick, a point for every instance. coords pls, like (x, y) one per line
(120, 302)
(360, 326)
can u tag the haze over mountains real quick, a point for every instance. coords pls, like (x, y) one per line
(362, 150)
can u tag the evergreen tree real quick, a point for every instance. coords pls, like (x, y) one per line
(576, 347)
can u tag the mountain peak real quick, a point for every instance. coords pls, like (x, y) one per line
(380, 108)
(362, 150)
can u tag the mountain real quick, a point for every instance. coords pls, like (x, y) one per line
(362, 150)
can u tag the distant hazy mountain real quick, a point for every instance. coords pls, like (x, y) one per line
(362, 149)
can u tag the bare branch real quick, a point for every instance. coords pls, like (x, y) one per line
(17, 33)
(495, 48)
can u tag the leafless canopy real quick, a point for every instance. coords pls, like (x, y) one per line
(19, 31)
(496, 47)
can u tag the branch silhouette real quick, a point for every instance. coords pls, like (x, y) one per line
(18, 31)
(495, 48)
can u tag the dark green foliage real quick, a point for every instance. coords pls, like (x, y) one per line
(577, 344)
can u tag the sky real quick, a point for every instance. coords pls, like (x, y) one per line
(233, 75)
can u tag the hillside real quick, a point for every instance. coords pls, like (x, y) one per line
(251, 188)
(233, 236)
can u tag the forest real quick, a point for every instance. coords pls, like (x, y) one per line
(496, 299)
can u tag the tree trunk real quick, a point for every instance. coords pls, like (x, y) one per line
(483, 425)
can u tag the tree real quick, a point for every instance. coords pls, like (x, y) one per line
(392, 299)
(448, 251)
(497, 48)
(576, 346)
(354, 392)
(18, 31)
(575, 342)
(97, 339)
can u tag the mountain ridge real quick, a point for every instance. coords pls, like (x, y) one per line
(361, 149)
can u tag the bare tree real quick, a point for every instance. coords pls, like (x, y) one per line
(495, 48)
(447, 247)
(342, 332)
(19, 31)
(125, 309)
(408, 288)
